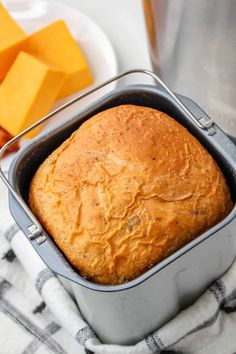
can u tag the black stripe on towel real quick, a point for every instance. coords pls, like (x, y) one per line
(9, 256)
(42, 278)
(154, 343)
(39, 308)
(229, 308)
(229, 304)
(11, 232)
(84, 334)
(33, 346)
(218, 289)
(12, 312)
(4, 286)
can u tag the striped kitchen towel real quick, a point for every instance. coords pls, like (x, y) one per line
(38, 315)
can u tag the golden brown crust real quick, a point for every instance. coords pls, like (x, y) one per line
(127, 189)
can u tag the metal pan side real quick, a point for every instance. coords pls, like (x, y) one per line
(29, 158)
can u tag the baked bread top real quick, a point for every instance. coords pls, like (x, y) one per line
(127, 189)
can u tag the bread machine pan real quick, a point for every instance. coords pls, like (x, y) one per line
(125, 313)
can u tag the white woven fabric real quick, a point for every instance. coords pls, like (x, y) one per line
(50, 321)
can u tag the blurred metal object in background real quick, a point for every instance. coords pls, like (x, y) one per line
(193, 48)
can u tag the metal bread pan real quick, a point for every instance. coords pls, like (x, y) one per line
(125, 313)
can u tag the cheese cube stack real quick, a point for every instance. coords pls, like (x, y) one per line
(57, 47)
(36, 70)
(11, 40)
(27, 93)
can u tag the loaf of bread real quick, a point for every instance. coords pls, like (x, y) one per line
(127, 189)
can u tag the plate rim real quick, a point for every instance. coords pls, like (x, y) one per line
(73, 10)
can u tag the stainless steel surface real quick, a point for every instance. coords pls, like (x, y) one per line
(35, 229)
(127, 312)
(193, 49)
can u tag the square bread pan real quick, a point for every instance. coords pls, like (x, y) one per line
(125, 313)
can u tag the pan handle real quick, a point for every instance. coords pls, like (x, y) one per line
(35, 229)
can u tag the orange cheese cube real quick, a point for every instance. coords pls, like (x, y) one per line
(11, 40)
(27, 93)
(55, 45)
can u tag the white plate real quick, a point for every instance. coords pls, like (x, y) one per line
(33, 15)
